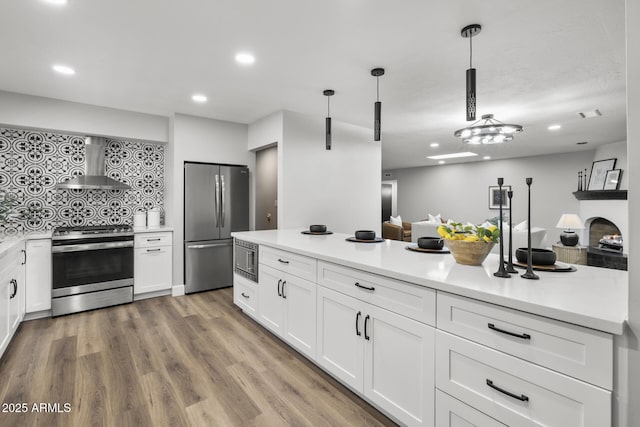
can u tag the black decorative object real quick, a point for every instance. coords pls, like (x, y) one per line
(510, 268)
(529, 274)
(469, 32)
(377, 109)
(318, 228)
(501, 271)
(569, 238)
(579, 180)
(365, 234)
(584, 180)
(539, 256)
(430, 243)
(327, 129)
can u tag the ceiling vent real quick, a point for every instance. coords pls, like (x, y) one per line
(589, 114)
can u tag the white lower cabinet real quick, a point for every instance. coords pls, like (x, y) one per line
(385, 356)
(451, 412)
(38, 275)
(514, 391)
(245, 295)
(287, 306)
(12, 294)
(152, 262)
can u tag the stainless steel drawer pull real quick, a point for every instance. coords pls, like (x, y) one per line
(244, 295)
(365, 287)
(521, 398)
(284, 261)
(513, 334)
(154, 250)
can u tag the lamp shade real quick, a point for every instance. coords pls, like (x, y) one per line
(570, 221)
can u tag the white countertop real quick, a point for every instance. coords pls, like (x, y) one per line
(8, 242)
(592, 297)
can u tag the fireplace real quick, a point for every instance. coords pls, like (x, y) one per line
(606, 244)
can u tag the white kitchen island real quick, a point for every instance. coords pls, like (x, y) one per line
(432, 342)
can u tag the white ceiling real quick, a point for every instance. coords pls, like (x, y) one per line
(539, 62)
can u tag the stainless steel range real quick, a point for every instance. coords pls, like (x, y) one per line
(92, 267)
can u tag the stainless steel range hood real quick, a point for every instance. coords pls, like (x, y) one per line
(94, 169)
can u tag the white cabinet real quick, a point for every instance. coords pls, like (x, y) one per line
(38, 275)
(287, 306)
(451, 412)
(245, 295)
(514, 391)
(12, 293)
(152, 262)
(385, 356)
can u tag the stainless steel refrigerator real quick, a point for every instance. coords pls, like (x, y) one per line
(216, 203)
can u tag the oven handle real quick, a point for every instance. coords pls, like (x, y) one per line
(91, 246)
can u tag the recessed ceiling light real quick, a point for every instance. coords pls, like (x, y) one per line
(63, 69)
(57, 2)
(434, 145)
(245, 58)
(442, 162)
(554, 127)
(487, 157)
(452, 155)
(199, 98)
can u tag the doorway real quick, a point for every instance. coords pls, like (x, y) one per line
(267, 188)
(387, 201)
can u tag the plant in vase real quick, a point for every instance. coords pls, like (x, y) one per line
(469, 244)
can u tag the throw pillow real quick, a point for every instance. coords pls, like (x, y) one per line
(434, 218)
(396, 220)
(521, 227)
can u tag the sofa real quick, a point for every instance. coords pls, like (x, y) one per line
(538, 236)
(396, 232)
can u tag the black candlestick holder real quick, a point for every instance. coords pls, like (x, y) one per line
(510, 268)
(501, 271)
(529, 274)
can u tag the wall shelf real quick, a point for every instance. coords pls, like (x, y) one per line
(601, 195)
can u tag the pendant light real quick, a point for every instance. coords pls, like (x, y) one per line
(327, 121)
(468, 32)
(487, 130)
(377, 109)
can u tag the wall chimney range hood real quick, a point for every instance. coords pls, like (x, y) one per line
(94, 169)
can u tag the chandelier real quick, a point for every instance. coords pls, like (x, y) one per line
(487, 131)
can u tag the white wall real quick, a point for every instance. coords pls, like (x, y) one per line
(36, 112)
(201, 140)
(266, 131)
(340, 187)
(633, 174)
(461, 191)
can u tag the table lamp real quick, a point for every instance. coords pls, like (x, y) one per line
(570, 222)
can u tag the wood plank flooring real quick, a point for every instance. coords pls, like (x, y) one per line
(187, 361)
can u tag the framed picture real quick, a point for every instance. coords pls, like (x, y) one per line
(497, 198)
(612, 179)
(598, 175)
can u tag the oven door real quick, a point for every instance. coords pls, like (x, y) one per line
(89, 265)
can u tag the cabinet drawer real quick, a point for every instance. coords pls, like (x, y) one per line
(297, 265)
(245, 295)
(573, 350)
(413, 301)
(451, 412)
(514, 391)
(147, 240)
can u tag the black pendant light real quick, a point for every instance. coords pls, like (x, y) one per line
(377, 109)
(487, 130)
(468, 32)
(327, 122)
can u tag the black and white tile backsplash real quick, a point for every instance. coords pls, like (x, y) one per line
(32, 162)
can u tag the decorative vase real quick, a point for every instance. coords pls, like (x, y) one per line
(469, 253)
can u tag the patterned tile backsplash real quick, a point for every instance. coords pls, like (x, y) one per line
(32, 162)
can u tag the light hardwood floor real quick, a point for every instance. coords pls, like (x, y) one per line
(187, 361)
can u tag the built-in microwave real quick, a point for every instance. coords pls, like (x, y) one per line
(246, 259)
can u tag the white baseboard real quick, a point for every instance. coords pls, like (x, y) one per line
(177, 290)
(37, 315)
(154, 294)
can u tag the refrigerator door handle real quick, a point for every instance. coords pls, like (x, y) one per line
(222, 201)
(217, 198)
